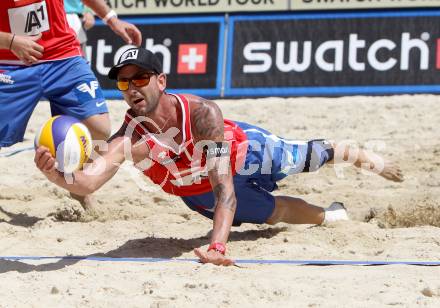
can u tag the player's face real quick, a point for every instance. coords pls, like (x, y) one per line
(139, 88)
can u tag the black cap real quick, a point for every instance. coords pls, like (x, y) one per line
(138, 56)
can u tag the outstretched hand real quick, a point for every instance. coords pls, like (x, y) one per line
(129, 32)
(27, 49)
(213, 257)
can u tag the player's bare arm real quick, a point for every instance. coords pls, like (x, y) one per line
(25, 48)
(207, 125)
(128, 32)
(94, 175)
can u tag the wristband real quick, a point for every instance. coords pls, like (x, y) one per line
(108, 16)
(219, 247)
(12, 41)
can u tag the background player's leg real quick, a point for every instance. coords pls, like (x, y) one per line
(87, 202)
(99, 126)
(18, 98)
(73, 90)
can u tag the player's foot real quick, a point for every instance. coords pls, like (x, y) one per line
(86, 202)
(391, 172)
(335, 212)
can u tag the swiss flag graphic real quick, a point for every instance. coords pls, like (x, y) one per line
(192, 58)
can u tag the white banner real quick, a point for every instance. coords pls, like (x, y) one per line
(145, 7)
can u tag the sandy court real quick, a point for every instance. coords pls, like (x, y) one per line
(391, 221)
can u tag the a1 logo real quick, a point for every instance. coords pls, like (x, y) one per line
(31, 19)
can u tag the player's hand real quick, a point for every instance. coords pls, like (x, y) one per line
(45, 162)
(27, 49)
(88, 21)
(213, 257)
(129, 32)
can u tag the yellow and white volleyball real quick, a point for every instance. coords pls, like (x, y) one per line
(68, 140)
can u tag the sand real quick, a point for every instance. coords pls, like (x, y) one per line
(390, 221)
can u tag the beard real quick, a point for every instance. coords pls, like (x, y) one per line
(147, 106)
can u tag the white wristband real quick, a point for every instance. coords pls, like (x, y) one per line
(108, 16)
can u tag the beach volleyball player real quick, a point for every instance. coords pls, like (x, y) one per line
(225, 170)
(41, 57)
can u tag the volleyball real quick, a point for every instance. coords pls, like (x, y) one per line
(68, 140)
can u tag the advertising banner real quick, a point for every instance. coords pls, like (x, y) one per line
(191, 51)
(359, 4)
(143, 7)
(334, 54)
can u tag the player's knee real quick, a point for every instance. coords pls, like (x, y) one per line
(99, 126)
(319, 152)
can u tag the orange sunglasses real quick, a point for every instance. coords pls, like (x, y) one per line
(138, 82)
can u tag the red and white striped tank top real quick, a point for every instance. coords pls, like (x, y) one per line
(183, 172)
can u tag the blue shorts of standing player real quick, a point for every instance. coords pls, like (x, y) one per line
(69, 85)
(269, 159)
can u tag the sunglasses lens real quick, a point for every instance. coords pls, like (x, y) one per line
(141, 82)
(122, 85)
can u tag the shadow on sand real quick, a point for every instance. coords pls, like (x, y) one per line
(21, 220)
(150, 247)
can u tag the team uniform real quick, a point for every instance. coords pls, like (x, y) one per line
(258, 160)
(61, 75)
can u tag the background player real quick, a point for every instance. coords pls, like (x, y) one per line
(36, 32)
(41, 57)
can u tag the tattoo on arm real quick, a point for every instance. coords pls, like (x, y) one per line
(208, 121)
(225, 199)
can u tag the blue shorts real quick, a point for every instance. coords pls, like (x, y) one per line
(69, 85)
(269, 159)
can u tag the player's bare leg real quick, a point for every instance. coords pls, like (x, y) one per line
(297, 211)
(99, 126)
(100, 129)
(366, 160)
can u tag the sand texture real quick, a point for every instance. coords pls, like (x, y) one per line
(390, 221)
